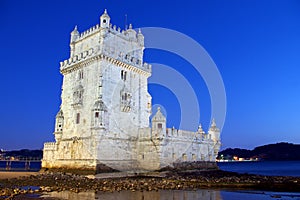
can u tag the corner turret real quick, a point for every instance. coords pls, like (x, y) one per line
(59, 123)
(140, 38)
(158, 124)
(74, 35)
(214, 134)
(104, 20)
(201, 132)
(131, 33)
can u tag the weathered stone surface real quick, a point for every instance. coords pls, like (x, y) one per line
(103, 121)
(197, 165)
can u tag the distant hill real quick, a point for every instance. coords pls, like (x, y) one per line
(23, 154)
(278, 151)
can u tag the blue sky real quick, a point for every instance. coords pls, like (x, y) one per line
(254, 43)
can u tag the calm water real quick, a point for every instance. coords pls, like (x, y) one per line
(272, 168)
(20, 166)
(178, 195)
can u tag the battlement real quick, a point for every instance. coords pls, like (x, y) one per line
(50, 146)
(89, 32)
(116, 57)
(129, 34)
(77, 58)
(109, 41)
(182, 134)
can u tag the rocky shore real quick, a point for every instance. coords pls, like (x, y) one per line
(172, 180)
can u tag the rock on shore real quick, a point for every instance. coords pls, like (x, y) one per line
(188, 180)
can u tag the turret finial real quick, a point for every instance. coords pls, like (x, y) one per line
(200, 130)
(105, 13)
(213, 126)
(213, 123)
(74, 36)
(75, 29)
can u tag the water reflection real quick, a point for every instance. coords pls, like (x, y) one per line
(146, 195)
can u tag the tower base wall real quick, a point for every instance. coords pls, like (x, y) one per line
(76, 166)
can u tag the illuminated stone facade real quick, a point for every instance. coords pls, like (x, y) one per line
(103, 121)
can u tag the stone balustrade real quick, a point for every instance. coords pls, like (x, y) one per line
(182, 134)
(91, 52)
(49, 146)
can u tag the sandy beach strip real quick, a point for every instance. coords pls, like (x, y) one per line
(11, 174)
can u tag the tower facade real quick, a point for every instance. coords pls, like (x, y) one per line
(103, 121)
(104, 98)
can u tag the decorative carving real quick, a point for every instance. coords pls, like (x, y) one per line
(99, 112)
(78, 95)
(125, 101)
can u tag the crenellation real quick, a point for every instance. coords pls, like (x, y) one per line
(89, 32)
(50, 146)
(83, 56)
(128, 35)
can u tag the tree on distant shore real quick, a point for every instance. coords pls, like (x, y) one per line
(25, 153)
(278, 151)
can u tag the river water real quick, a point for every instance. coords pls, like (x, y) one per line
(20, 165)
(176, 195)
(270, 168)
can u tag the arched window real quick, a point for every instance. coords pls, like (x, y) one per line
(78, 95)
(125, 103)
(80, 74)
(123, 75)
(77, 118)
(159, 125)
(184, 157)
(194, 157)
(99, 114)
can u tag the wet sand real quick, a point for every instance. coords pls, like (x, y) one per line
(9, 175)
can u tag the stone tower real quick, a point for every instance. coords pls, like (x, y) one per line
(104, 100)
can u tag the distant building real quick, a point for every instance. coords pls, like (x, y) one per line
(103, 121)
